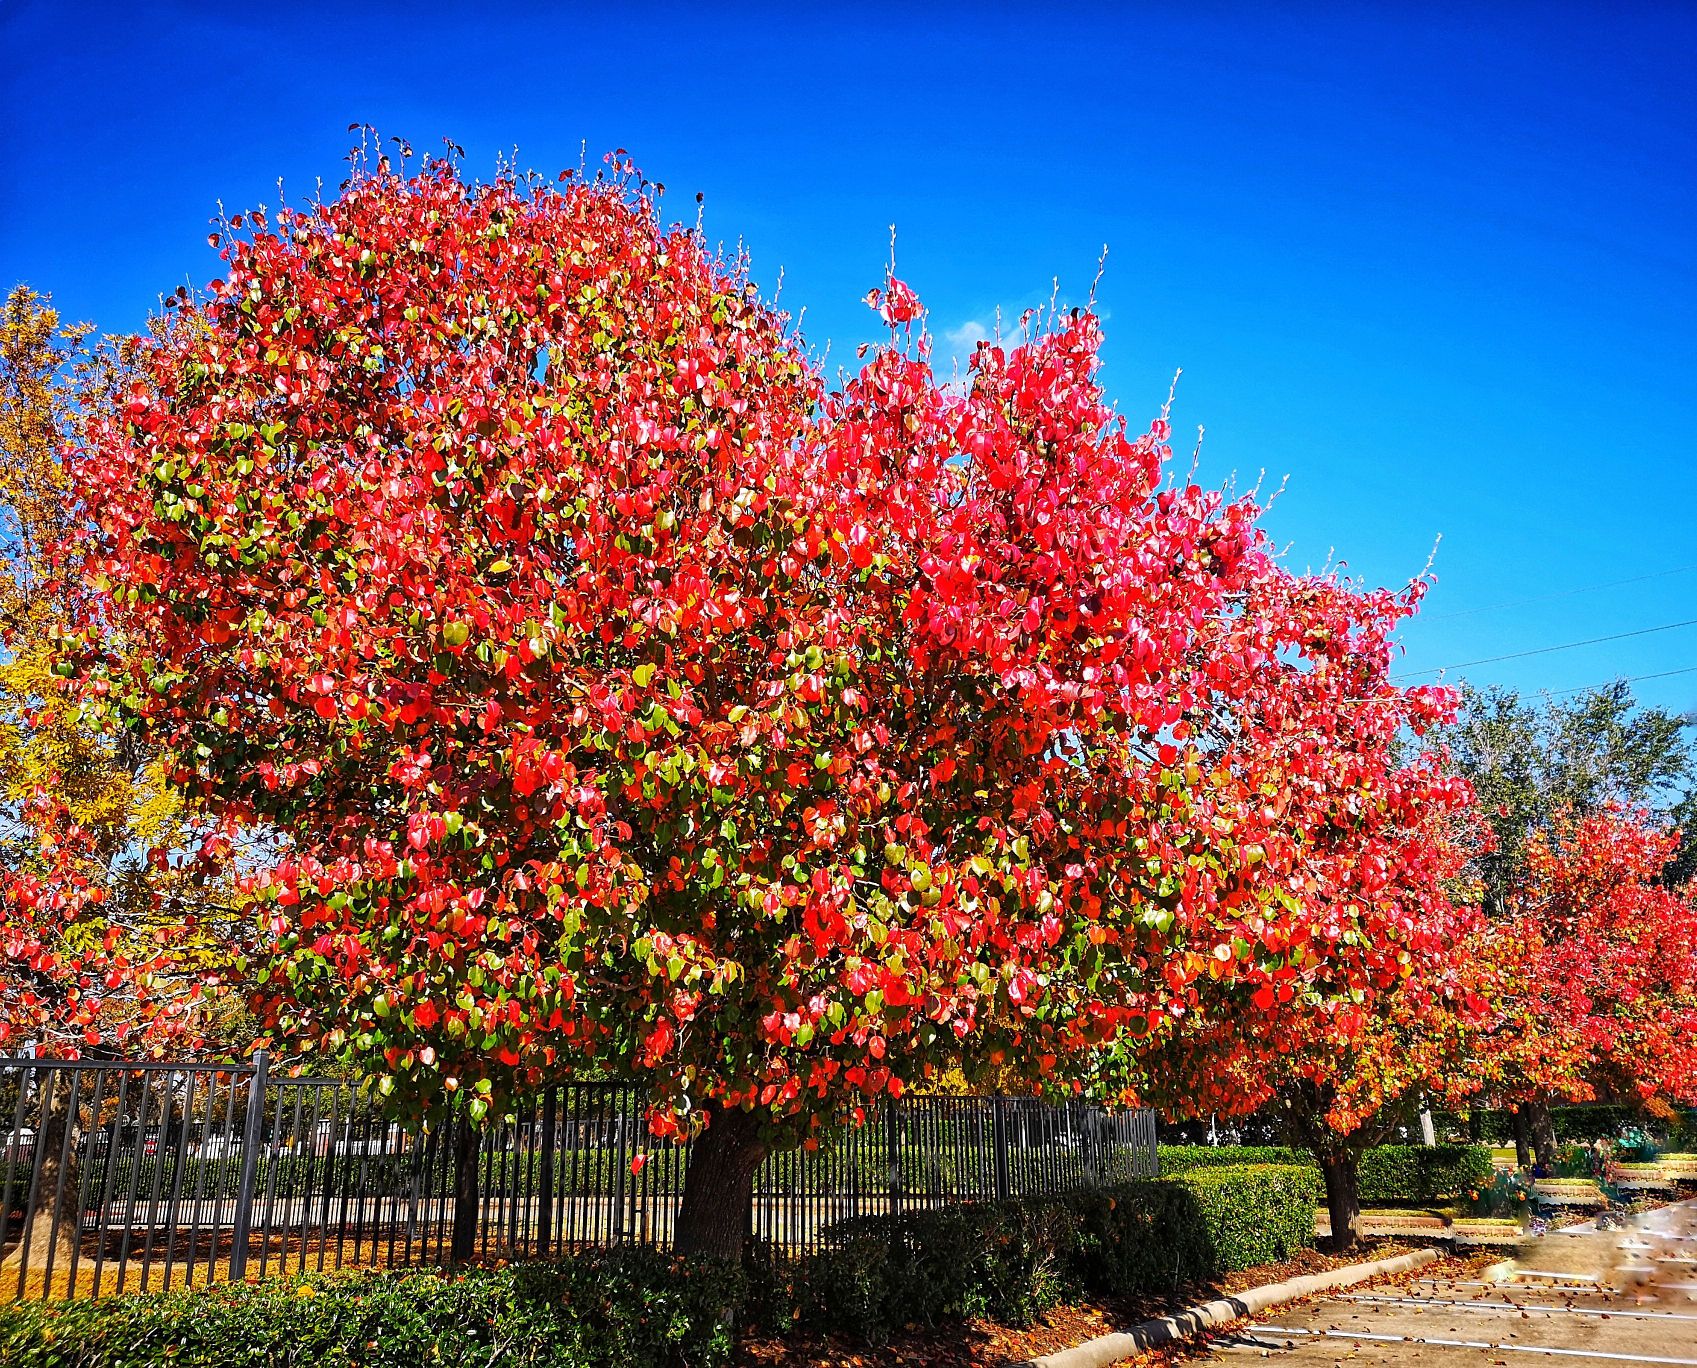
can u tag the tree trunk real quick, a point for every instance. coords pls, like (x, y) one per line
(1522, 1139)
(716, 1213)
(1543, 1134)
(50, 1224)
(1428, 1131)
(466, 1146)
(1343, 1196)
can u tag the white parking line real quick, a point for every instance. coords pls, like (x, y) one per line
(1528, 1307)
(1566, 1291)
(1473, 1344)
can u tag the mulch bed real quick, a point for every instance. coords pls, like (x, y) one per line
(985, 1344)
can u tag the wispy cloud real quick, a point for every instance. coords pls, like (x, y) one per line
(1002, 326)
(963, 339)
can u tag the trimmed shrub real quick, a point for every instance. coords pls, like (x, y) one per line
(602, 1310)
(1506, 1194)
(1388, 1173)
(1141, 1237)
(1255, 1214)
(1012, 1261)
(1420, 1173)
(1176, 1159)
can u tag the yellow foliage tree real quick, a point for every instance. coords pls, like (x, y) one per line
(107, 919)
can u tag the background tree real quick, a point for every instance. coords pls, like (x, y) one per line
(103, 869)
(101, 944)
(1341, 1076)
(1600, 960)
(1550, 773)
(1536, 763)
(633, 703)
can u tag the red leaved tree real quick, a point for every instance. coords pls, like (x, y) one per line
(1342, 1072)
(630, 702)
(1600, 959)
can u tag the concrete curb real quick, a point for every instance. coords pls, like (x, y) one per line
(1106, 1349)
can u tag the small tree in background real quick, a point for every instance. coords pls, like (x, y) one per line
(1536, 764)
(112, 910)
(632, 702)
(1339, 1076)
(106, 937)
(1599, 957)
(1562, 774)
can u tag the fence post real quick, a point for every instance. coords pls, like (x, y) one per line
(999, 1137)
(252, 1125)
(545, 1178)
(893, 1148)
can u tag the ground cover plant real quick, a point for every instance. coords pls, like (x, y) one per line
(597, 1310)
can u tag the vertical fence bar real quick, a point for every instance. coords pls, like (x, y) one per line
(173, 1209)
(14, 1144)
(167, 1109)
(273, 1154)
(417, 1166)
(342, 1164)
(251, 1131)
(206, 1159)
(137, 1155)
(893, 1154)
(545, 1176)
(73, 1080)
(108, 1164)
(32, 1205)
(84, 1163)
(327, 1127)
(999, 1141)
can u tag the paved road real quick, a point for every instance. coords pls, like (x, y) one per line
(1586, 1296)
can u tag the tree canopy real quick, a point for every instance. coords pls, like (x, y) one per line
(626, 696)
(606, 692)
(1537, 763)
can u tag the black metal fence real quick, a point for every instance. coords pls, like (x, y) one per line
(158, 1175)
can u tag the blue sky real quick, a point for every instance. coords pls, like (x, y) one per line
(1436, 268)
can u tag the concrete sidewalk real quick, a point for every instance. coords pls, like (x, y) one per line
(1580, 1295)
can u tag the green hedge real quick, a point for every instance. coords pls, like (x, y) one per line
(1183, 1158)
(1420, 1173)
(606, 1310)
(1012, 1261)
(1256, 1214)
(587, 1171)
(1388, 1173)
(285, 1175)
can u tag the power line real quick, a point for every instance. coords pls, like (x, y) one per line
(1559, 594)
(1625, 679)
(1546, 650)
